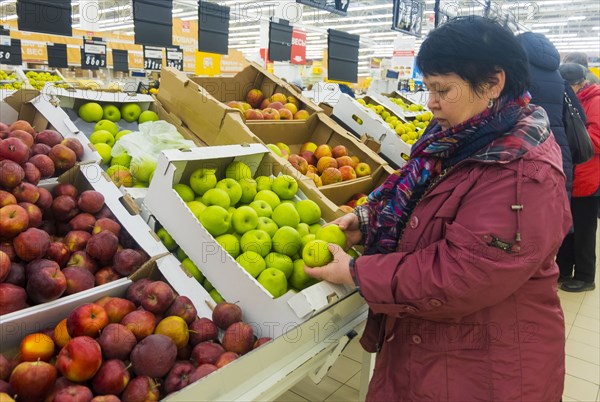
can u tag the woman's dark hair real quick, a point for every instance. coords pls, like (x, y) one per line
(475, 48)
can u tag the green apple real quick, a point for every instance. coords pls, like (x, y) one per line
(316, 254)
(314, 228)
(216, 296)
(166, 239)
(274, 281)
(286, 215)
(142, 169)
(123, 159)
(252, 262)
(121, 134)
(216, 220)
(191, 268)
(281, 262)
(262, 208)
(269, 197)
(238, 170)
(120, 175)
(268, 225)
(196, 207)
(185, 192)
(263, 183)
(130, 112)
(216, 196)
(309, 211)
(303, 229)
(332, 234)
(232, 188)
(147, 115)
(115, 168)
(285, 187)
(275, 149)
(207, 285)
(111, 112)
(203, 180)
(244, 219)
(284, 147)
(299, 280)
(248, 190)
(102, 136)
(107, 125)
(230, 243)
(139, 184)
(104, 150)
(180, 254)
(287, 241)
(91, 112)
(258, 241)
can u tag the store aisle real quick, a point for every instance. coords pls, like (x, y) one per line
(582, 382)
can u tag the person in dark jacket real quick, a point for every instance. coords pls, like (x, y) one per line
(547, 90)
(582, 59)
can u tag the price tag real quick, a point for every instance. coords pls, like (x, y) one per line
(153, 58)
(11, 54)
(93, 55)
(175, 58)
(5, 40)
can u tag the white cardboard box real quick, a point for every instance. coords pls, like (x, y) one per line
(270, 317)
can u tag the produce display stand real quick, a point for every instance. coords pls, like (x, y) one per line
(22, 75)
(384, 99)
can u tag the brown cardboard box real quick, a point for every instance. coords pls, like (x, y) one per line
(210, 120)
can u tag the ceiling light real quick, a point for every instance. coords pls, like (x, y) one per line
(577, 18)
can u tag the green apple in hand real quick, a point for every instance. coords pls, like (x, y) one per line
(309, 211)
(123, 159)
(232, 188)
(269, 197)
(102, 136)
(185, 192)
(216, 196)
(268, 225)
(286, 215)
(111, 112)
(244, 219)
(274, 281)
(146, 116)
(91, 112)
(262, 208)
(215, 220)
(287, 241)
(143, 168)
(285, 187)
(166, 239)
(281, 262)
(237, 171)
(252, 262)
(107, 125)
(299, 280)
(332, 234)
(263, 183)
(196, 207)
(316, 254)
(248, 190)
(192, 269)
(130, 112)
(203, 180)
(257, 241)
(230, 243)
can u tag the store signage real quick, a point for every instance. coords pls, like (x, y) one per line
(120, 60)
(333, 6)
(153, 58)
(57, 55)
(11, 54)
(403, 57)
(93, 55)
(298, 47)
(175, 58)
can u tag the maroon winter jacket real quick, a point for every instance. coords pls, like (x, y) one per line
(587, 175)
(463, 312)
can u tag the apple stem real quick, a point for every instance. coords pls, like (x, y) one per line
(128, 366)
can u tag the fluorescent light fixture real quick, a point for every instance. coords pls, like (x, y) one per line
(360, 30)
(543, 30)
(577, 18)
(550, 24)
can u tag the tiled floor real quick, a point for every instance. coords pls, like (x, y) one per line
(582, 382)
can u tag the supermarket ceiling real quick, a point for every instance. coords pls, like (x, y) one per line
(571, 25)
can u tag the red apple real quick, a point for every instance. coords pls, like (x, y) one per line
(13, 220)
(32, 174)
(348, 173)
(106, 275)
(325, 163)
(78, 280)
(83, 221)
(276, 105)
(44, 164)
(140, 322)
(265, 103)
(75, 146)
(158, 297)
(269, 114)
(330, 176)
(6, 198)
(73, 393)
(202, 371)
(46, 284)
(45, 200)
(141, 388)
(22, 125)
(80, 359)
(182, 307)
(23, 136)
(127, 261)
(90, 201)
(322, 151)
(64, 208)
(77, 240)
(12, 298)
(49, 137)
(11, 174)
(82, 260)
(117, 308)
(179, 376)
(106, 224)
(9, 250)
(66, 189)
(4, 266)
(339, 151)
(207, 353)
(87, 320)
(226, 358)
(135, 292)
(26, 192)
(111, 379)
(116, 341)
(238, 338)
(63, 157)
(153, 356)
(31, 244)
(225, 314)
(345, 161)
(299, 163)
(102, 246)
(253, 114)
(310, 157)
(59, 253)
(32, 381)
(202, 330)
(40, 149)
(254, 97)
(261, 341)
(14, 149)
(34, 213)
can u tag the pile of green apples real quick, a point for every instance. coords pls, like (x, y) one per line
(13, 84)
(37, 79)
(413, 107)
(261, 223)
(107, 133)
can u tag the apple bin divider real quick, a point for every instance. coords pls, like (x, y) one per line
(270, 316)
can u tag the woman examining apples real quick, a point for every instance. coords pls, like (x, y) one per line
(458, 269)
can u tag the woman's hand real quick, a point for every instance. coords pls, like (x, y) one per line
(350, 226)
(337, 271)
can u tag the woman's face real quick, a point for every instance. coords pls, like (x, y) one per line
(452, 101)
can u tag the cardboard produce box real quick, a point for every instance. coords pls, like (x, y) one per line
(36, 78)
(210, 120)
(272, 316)
(42, 114)
(385, 99)
(226, 89)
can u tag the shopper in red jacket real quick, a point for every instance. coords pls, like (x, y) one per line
(578, 251)
(458, 270)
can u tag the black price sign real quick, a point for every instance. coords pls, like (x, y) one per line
(93, 55)
(153, 58)
(175, 58)
(10, 49)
